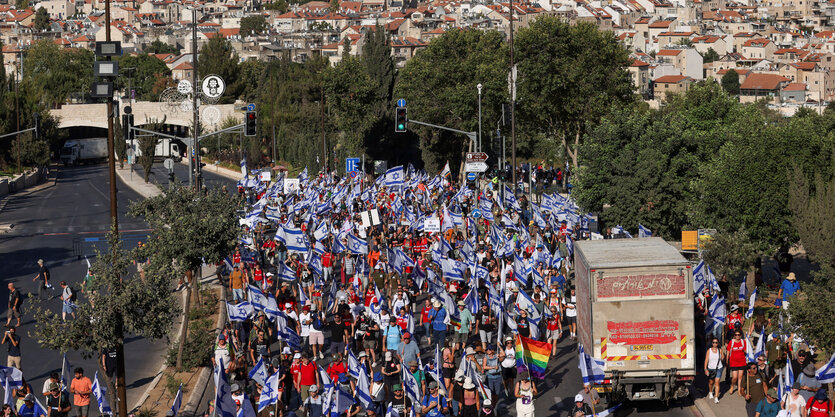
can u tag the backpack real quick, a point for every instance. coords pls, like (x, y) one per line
(317, 323)
(73, 294)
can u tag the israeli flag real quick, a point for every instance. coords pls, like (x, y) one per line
(269, 394)
(410, 385)
(743, 289)
(295, 240)
(619, 230)
(364, 389)
(643, 231)
(244, 171)
(750, 312)
(716, 312)
(246, 408)
(259, 372)
(65, 373)
(700, 277)
(353, 365)
(239, 312)
(357, 246)
(395, 176)
(285, 273)
(472, 301)
(324, 378)
(100, 393)
(592, 369)
(291, 337)
(178, 401)
(256, 298)
(759, 350)
(224, 404)
(12, 376)
(788, 377)
(749, 351)
(826, 374)
(453, 269)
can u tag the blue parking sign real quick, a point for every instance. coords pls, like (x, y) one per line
(352, 164)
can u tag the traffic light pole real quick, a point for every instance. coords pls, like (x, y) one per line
(472, 135)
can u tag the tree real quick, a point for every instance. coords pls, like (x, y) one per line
(685, 42)
(439, 86)
(116, 302)
(160, 47)
(346, 46)
(813, 208)
(376, 55)
(334, 6)
(219, 57)
(148, 147)
(569, 76)
(729, 253)
(41, 20)
(251, 74)
(253, 25)
(146, 70)
(190, 227)
(279, 5)
(710, 56)
(730, 82)
(351, 93)
(52, 74)
(639, 164)
(808, 311)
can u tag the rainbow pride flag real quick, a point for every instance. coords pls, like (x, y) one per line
(532, 355)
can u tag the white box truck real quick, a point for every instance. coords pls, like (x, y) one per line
(165, 148)
(635, 312)
(76, 151)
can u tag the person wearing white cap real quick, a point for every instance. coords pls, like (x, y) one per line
(580, 408)
(470, 400)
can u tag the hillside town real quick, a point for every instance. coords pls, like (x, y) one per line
(780, 50)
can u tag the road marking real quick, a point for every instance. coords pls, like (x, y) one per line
(55, 234)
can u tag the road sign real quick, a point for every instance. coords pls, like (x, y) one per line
(476, 157)
(476, 213)
(352, 164)
(213, 86)
(475, 167)
(250, 107)
(401, 102)
(471, 176)
(168, 164)
(432, 224)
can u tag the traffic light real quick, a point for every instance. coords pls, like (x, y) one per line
(251, 123)
(127, 123)
(400, 119)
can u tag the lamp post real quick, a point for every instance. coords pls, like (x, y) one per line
(478, 148)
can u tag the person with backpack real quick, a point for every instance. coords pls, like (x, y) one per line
(316, 337)
(68, 299)
(819, 405)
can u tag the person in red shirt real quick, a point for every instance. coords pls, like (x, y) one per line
(403, 319)
(336, 368)
(258, 276)
(269, 249)
(424, 319)
(306, 377)
(734, 321)
(236, 258)
(369, 295)
(554, 329)
(819, 405)
(735, 352)
(327, 266)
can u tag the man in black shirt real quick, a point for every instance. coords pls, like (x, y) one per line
(14, 305)
(57, 402)
(42, 277)
(339, 333)
(108, 362)
(485, 325)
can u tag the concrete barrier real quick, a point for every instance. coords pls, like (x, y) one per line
(4, 187)
(22, 181)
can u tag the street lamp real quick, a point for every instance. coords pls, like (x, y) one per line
(478, 148)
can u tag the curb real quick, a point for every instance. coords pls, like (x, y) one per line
(223, 172)
(162, 369)
(145, 190)
(703, 407)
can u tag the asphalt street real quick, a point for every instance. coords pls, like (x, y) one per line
(62, 224)
(159, 175)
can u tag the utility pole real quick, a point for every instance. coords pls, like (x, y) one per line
(121, 390)
(196, 130)
(17, 107)
(512, 105)
(478, 148)
(322, 120)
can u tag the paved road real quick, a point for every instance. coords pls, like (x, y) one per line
(159, 175)
(57, 224)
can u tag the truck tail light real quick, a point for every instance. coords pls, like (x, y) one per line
(685, 378)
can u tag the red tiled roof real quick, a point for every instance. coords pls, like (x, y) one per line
(670, 79)
(757, 81)
(795, 87)
(668, 52)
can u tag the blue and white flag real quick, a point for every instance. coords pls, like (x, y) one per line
(357, 246)
(12, 376)
(224, 403)
(472, 301)
(269, 394)
(751, 301)
(353, 365)
(66, 370)
(244, 171)
(826, 374)
(643, 231)
(716, 314)
(324, 378)
(619, 230)
(743, 289)
(257, 299)
(395, 176)
(291, 337)
(364, 389)
(295, 240)
(259, 372)
(759, 350)
(592, 369)
(239, 312)
(178, 401)
(246, 408)
(788, 377)
(410, 385)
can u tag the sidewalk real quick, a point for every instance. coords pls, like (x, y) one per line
(730, 405)
(135, 182)
(219, 170)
